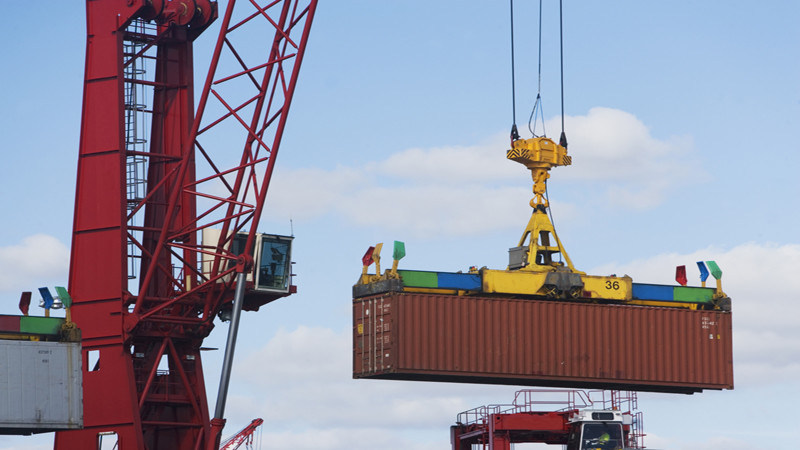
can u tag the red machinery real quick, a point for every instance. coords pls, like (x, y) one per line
(155, 177)
(585, 421)
(244, 436)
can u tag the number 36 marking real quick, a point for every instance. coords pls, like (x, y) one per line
(612, 285)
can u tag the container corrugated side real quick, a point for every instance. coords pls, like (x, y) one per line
(40, 386)
(541, 343)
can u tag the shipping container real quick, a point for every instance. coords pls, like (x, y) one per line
(497, 340)
(40, 386)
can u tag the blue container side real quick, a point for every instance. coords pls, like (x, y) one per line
(461, 281)
(653, 292)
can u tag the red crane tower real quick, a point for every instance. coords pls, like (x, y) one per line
(154, 176)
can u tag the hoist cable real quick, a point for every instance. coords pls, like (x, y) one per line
(563, 140)
(539, 90)
(537, 105)
(550, 213)
(514, 133)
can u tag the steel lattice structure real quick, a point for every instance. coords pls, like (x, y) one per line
(243, 437)
(153, 175)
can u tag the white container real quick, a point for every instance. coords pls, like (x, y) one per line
(40, 386)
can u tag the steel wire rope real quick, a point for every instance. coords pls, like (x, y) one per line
(563, 139)
(514, 132)
(538, 105)
(552, 221)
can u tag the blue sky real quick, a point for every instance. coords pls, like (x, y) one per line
(682, 120)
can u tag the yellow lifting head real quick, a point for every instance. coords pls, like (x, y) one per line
(535, 250)
(539, 154)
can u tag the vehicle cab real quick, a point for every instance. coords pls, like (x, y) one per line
(598, 430)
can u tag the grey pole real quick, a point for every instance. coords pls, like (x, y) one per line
(230, 346)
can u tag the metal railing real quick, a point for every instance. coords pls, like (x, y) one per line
(535, 400)
(137, 120)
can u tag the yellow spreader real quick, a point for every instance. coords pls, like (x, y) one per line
(535, 267)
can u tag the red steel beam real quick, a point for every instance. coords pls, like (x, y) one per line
(159, 314)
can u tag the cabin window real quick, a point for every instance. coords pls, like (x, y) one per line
(602, 436)
(275, 266)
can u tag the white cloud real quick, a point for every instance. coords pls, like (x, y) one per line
(313, 364)
(355, 438)
(713, 443)
(469, 190)
(609, 143)
(615, 151)
(25, 443)
(451, 165)
(33, 262)
(438, 209)
(312, 192)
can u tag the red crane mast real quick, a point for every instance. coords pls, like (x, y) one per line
(154, 175)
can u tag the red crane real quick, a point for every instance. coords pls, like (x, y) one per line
(244, 436)
(155, 177)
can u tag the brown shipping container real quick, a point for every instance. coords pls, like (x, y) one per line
(494, 340)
